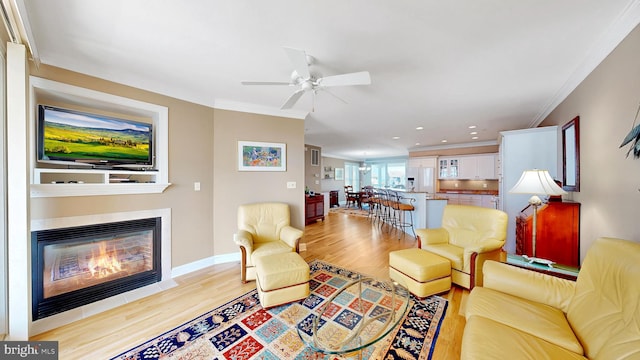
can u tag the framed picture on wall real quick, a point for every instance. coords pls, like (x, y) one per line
(339, 174)
(262, 156)
(571, 155)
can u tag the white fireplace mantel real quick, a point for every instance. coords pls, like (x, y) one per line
(84, 311)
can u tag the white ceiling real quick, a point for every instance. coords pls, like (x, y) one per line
(442, 65)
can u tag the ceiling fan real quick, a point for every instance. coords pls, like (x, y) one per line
(306, 80)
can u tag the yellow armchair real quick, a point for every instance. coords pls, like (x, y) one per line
(469, 236)
(263, 229)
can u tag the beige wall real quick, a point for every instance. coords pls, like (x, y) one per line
(233, 187)
(331, 183)
(202, 148)
(312, 173)
(606, 102)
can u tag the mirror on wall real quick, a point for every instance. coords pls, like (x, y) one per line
(571, 155)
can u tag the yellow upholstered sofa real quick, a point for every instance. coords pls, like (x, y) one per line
(469, 236)
(521, 314)
(263, 229)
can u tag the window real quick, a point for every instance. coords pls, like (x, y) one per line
(315, 157)
(378, 175)
(389, 174)
(351, 175)
(396, 175)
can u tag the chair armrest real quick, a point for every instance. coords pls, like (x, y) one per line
(486, 246)
(432, 236)
(244, 239)
(291, 236)
(527, 284)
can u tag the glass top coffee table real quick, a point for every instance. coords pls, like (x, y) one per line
(360, 314)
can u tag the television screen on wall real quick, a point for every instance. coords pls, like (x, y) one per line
(77, 137)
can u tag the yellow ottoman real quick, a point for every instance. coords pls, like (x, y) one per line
(423, 273)
(281, 279)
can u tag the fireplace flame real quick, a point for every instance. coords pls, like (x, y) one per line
(104, 263)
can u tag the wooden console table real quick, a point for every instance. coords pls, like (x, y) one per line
(314, 208)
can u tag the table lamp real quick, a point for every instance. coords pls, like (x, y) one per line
(536, 182)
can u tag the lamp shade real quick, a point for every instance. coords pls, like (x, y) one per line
(537, 182)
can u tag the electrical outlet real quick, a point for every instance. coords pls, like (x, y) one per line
(484, 186)
(291, 184)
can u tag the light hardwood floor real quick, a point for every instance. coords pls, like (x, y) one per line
(348, 241)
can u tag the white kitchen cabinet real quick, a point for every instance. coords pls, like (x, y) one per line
(448, 168)
(424, 161)
(489, 201)
(467, 199)
(487, 167)
(468, 167)
(452, 199)
(482, 200)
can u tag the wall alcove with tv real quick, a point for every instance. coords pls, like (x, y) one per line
(63, 178)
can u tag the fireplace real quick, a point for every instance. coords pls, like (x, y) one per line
(75, 266)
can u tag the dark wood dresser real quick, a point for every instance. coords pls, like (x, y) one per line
(558, 237)
(314, 209)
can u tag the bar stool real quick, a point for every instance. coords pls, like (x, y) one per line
(378, 197)
(403, 205)
(388, 204)
(367, 196)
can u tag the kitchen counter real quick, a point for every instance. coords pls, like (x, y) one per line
(428, 209)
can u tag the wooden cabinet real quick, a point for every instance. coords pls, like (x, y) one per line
(333, 198)
(558, 236)
(314, 209)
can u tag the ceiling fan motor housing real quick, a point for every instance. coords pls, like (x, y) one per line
(305, 84)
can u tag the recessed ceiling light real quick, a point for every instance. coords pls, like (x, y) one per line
(444, 140)
(420, 128)
(417, 144)
(475, 138)
(472, 126)
(474, 133)
(396, 137)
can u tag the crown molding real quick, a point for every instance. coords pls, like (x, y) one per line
(258, 109)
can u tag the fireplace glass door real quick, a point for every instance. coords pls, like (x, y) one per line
(69, 267)
(77, 266)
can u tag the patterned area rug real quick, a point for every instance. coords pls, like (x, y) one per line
(242, 329)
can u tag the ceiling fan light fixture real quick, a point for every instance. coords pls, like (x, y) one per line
(312, 81)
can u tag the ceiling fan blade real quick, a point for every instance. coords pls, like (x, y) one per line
(264, 83)
(334, 95)
(358, 78)
(299, 60)
(292, 99)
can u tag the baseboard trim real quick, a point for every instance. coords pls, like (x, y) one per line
(204, 263)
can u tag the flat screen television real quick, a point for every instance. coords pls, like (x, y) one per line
(73, 137)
